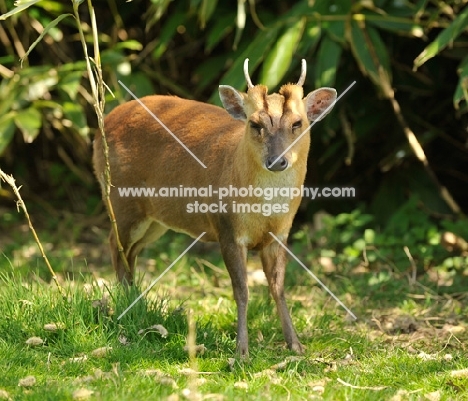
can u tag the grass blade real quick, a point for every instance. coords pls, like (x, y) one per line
(44, 32)
(20, 6)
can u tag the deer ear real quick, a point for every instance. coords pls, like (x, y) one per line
(233, 102)
(319, 103)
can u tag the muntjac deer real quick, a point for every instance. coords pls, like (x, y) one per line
(239, 146)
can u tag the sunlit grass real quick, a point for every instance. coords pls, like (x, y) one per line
(406, 343)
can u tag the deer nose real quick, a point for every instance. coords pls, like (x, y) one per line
(279, 165)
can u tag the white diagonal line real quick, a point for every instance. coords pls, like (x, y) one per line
(162, 124)
(160, 276)
(314, 276)
(311, 125)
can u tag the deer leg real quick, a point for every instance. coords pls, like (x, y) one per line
(273, 259)
(235, 258)
(123, 275)
(144, 233)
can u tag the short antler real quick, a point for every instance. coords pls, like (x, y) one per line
(246, 73)
(303, 73)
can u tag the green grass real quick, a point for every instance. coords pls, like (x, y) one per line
(406, 343)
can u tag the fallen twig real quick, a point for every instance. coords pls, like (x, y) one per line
(376, 388)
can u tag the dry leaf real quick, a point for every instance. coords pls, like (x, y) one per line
(103, 305)
(116, 369)
(459, 373)
(243, 385)
(98, 374)
(54, 326)
(434, 396)
(411, 349)
(101, 352)
(256, 277)
(84, 380)
(28, 381)
(4, 395)
(289, 359)
(168, 381)
(453, 329)
(199, 349)
(191, 395)
(82, 394)
(200, 381)
(78, 359)
(88, 289)
(266, 372)
(448, 357)
(158, 328)
(318, 386)
(318, 389)
(123, 340)
(152, 372)
(426, 357)
(231, 363)
(34, 341)
(332, 367)
(270, 373)
(100, 283)
(187, 371)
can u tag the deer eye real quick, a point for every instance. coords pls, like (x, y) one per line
(255, 126)
(297, 124)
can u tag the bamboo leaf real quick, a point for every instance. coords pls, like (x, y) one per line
(20, 6)
(339, 12)
(158, 8)
(310, 39)
(401, 26)
(255, 53)
(128, 44)
(52, 24)
(29, 121)
(206, 11)
(328, 59)
(278, 61)
(168, 32)
(461, 92)
(70, 83)
(220, 29)
(7, 130)
(74, 112)
(208, 71)
(444, 39)
(336, 30)
(369, 51)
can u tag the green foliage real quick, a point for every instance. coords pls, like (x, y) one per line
(444, 39)
(189, 47)
(354, 239)
(372, 354)
(277, 62)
